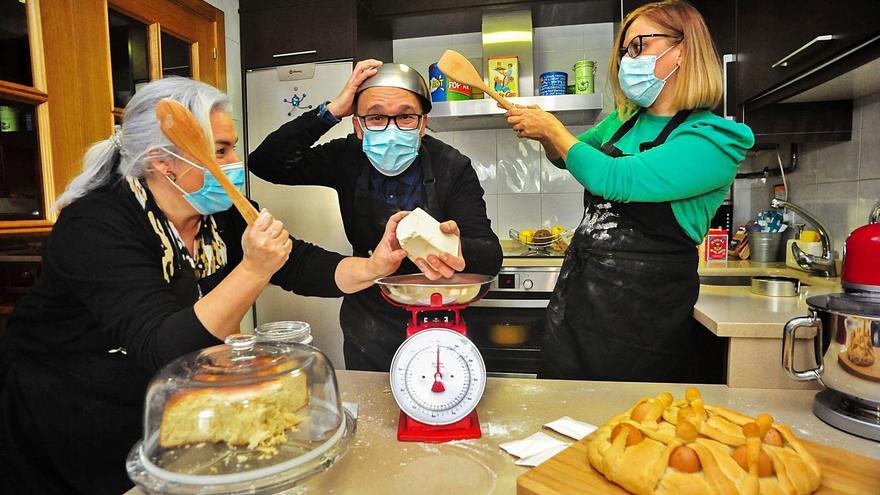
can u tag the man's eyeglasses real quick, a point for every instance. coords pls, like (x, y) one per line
(634, 48)
(404, 121)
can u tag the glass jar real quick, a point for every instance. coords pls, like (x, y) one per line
(245, 417)
(288, 332)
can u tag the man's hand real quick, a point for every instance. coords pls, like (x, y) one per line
(446, 265)
(387, 256)
(343, 105)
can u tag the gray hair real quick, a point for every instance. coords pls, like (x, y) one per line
(140, 133)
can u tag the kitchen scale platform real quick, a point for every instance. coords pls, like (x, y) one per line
(437, 374)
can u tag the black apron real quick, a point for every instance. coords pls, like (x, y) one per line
(372, 328)
(622, 307)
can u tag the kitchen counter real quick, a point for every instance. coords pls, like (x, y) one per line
(753, 323)
(512, 409)
(737, 312)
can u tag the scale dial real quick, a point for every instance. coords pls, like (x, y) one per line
(437, 376)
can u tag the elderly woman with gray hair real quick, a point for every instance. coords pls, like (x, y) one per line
(146, 262)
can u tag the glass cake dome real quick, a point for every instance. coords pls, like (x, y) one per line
(245, 417)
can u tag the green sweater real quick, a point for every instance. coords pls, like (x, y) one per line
(693, 169)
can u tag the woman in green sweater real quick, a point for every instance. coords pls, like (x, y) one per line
(654, 172)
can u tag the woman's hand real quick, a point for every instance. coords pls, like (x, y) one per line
(266, 245)
(534, 123)
(343, 105)
(446, 264)
(388, 255)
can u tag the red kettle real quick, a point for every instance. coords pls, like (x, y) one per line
(861, 256)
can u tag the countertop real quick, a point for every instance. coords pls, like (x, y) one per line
(737, 312)
(512, 409)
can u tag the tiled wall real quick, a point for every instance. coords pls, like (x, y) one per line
(523, 190)
(837, 182)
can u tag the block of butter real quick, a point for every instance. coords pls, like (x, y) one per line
(420, 235)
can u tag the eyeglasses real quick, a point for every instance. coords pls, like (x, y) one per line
(634, 48)
(404, 121)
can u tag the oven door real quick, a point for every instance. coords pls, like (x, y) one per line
(508, 329)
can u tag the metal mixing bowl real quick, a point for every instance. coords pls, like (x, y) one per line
(416, 290)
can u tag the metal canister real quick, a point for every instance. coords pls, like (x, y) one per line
(553, 83)
(445, 89)
(583, 77)
(8, 119)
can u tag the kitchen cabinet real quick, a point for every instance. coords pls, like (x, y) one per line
(280, 32)
(420, 18)
(57, 88)
(785, 47)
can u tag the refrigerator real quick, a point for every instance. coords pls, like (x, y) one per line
(275, 96)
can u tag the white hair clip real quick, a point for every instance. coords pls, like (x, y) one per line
(116, 138)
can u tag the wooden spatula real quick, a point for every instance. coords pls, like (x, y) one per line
(184, 130)
(456, 67)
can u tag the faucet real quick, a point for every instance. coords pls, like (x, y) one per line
(823, 265)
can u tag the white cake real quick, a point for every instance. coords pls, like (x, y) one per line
(420, 235)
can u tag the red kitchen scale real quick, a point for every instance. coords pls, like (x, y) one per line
(437, 374)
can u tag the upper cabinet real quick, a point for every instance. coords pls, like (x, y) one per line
(787, 47)
(283, 32)
(25, 157)
(161, 38)
(67, 67)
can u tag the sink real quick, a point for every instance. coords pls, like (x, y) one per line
(730, 280)
(727, 280)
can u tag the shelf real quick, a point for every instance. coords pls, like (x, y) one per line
(468, 115)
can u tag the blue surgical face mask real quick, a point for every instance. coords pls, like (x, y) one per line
(211, 197)
(391, 151)
(637, 79)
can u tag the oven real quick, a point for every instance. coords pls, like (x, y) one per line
(507, 325)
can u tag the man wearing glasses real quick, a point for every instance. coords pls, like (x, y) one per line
(387, 165)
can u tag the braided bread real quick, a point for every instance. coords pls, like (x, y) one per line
(664, 446)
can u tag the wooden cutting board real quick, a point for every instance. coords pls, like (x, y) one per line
(569, 473)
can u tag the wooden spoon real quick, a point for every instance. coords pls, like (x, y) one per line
(456, 67)
(184, 130)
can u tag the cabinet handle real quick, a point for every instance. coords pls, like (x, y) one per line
(727, 58)
(783, 62)
(291, 54)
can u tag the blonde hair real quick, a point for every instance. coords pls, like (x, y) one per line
(700, 85)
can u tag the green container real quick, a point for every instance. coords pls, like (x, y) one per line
(583, 77)
(8, 119)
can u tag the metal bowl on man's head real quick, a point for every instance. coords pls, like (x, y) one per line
(400, 76)
(417, 289)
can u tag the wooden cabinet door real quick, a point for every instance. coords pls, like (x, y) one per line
(191, 21)
(305, 31)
